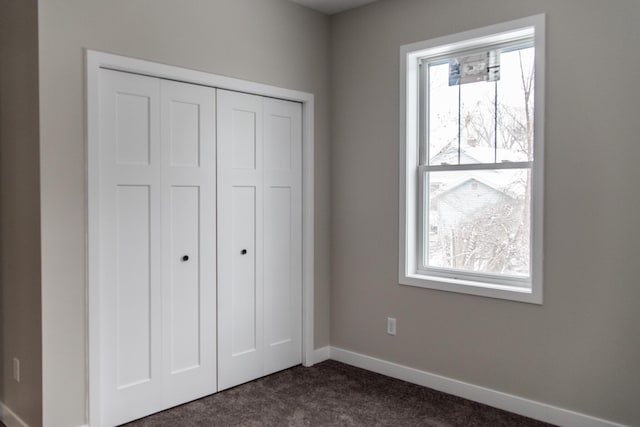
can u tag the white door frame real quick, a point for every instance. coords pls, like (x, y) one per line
(94, 62)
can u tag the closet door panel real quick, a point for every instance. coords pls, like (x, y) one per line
(278, 143)
(244, 327)
(157, 244)
(184, 128)
(260, 236)
(133, 117)
(184, 304)
(283, 234)
(277, 266)
(240, 212)
(243, 131)
(129, 247)
(189, 236)
(133, 344)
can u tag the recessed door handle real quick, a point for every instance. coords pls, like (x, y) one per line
(243, 252)
(185, 258)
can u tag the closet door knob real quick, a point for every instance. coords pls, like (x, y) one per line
(185, 258)
(243, 252)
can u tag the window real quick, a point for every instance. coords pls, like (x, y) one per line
(472, 161)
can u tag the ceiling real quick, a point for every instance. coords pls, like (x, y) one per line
(332, 6)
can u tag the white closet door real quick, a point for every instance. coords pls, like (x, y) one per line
(130, 255)
(157, 196)
(282, 185)
(240, 255)
(259, 236)
(188, 241)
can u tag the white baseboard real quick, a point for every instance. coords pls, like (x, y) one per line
(508, 402)
(321, 354)
(9, 418)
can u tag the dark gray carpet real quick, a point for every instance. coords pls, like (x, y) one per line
(332, 394)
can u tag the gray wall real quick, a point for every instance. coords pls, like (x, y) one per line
(268, 41)
(580, 350)
(20, 331)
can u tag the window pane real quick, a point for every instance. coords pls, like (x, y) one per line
(478, 221)
(443, 117)
(477, 122)
(515, 106)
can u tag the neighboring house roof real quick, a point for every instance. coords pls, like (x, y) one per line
(452, 186)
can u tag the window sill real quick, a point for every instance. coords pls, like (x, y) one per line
(512, 293)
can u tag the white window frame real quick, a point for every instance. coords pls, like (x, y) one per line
(410, 211)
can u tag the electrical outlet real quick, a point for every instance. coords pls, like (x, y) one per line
(16, 369)
(391, 325)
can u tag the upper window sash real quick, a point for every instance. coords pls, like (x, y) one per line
(523, 41)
